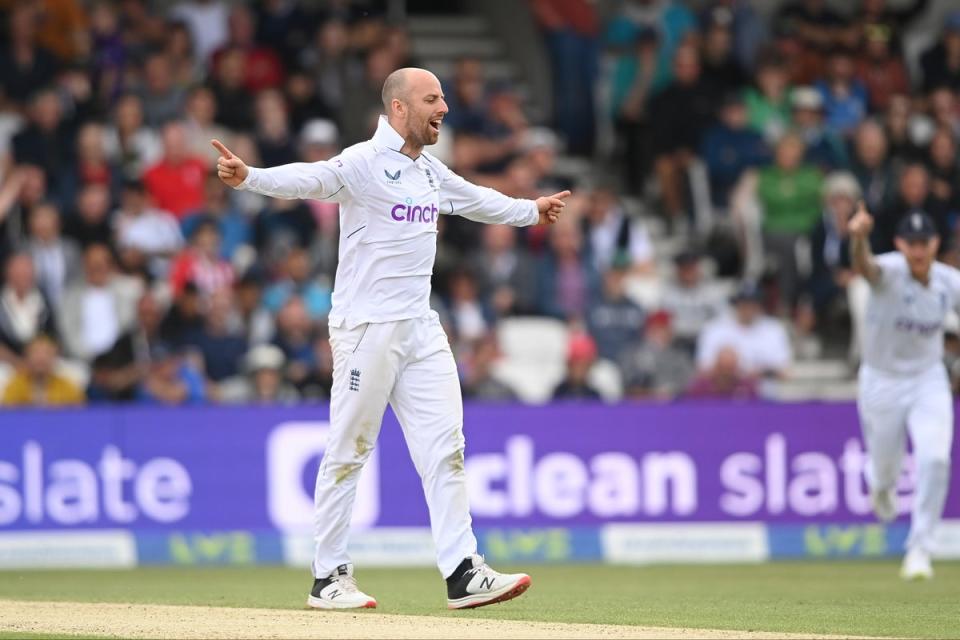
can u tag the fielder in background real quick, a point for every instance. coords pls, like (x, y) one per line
(388, 344)
(903, 385)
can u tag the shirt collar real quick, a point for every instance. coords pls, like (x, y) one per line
(387, 136)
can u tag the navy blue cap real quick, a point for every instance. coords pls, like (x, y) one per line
(747, 292)
(916, 225)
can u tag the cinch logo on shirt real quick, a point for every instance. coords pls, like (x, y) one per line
(914, 326)
(405, 212)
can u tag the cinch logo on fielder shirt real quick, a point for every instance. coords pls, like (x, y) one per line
(406, 213)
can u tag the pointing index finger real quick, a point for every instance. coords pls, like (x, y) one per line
(222, 149)
(561, 195)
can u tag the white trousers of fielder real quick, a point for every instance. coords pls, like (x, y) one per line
(407, 363)
(891, 407)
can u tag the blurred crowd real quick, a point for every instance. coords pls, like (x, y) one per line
(728, 146)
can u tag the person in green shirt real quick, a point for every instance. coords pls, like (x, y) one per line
(789, 195)
(768, 103)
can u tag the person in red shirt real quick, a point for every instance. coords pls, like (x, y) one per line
(201, 264)
(176, 182)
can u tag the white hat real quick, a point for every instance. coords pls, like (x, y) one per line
(806, 98)
(319, 131)
(539, 138)
(264, 356)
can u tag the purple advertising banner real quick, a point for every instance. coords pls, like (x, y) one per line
(559, 465)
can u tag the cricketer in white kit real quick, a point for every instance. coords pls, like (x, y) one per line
(903, 386)
(388, 345)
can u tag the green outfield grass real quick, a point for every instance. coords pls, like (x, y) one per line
(856, 598)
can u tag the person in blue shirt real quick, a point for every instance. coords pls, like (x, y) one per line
(171, 380)
(844, 96)
(234, 226)
(297, 282)
(729, 148)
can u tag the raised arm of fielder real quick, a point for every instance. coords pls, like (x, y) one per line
(325, 179)
(861, 255)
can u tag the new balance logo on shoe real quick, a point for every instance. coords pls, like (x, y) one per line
(333, 594)
(355, 380)
(486, 583)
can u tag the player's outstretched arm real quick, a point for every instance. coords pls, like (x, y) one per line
(295, 180)
(861, 255)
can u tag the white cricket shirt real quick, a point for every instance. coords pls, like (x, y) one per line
(904, 325)
(389, 206)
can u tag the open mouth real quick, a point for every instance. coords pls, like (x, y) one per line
(435, 124)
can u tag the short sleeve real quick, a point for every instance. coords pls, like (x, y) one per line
(892, 266)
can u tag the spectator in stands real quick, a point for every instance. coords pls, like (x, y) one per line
(725, 379)
(275, 142)
(819, 27)
(146, 237)
(722, 71)
(844, 95)
(747, 29)
(613, 319)
(90, 224)
(941, 62)
(162, 99)
(879, 70)
(263, 382)
(581, 355)
(97, 310)
(47, 141)
(229, 89)
(298, 281)
(200, 125)
(656, 367)
(55, 259)
(829, 247)
(175, 184)
(476, 375)
(469, 319)
(789, 193)
(331, 63)
(37, 382)
(256, 320)
(759, 341)
(115, 375)
(207, 21)
(768, 103)
(130, 143)
(25, 66)
(262, 68)
(178, 49)
(729, 148)
(91, 165)
(467, 99)
(24, 188)
(690, 300)
(913, 195)
(220, 343)
(218, 206)
(281, 225)
(565, 277)
(904, 137)
(871, 165)
(681, 113)
(612, 234)
(24, 311)
(295, 336)
(824, 148)
(506, 274)
(171, 379)
(200, 263)
(571, 29)
(943, 110)
(185, 315)
(893, 19)
(944, 172)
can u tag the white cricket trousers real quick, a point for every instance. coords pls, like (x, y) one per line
(407, 363)
(892, 406)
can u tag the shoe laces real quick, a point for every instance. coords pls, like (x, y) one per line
(480, 567)
(348, 584)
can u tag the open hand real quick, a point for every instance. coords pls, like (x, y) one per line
(861, 224)
(231, 169)
(551, 206)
